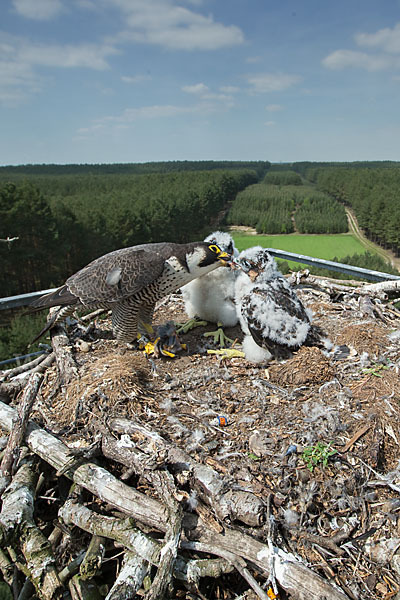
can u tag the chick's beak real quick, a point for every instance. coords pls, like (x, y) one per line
(253, 275)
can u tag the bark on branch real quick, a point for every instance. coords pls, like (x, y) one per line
(291, 574)
(11, 452)
(228, 504)
(19, 531)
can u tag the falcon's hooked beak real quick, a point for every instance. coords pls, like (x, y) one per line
(224, 258)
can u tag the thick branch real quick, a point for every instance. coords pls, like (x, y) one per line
(292, 575)
(129, 581)
(166, 491)
(28, 366)
(93, 557)
(119, 530)
(10, 389)
(228, 504)
(15, 440)
(66, 364)
(20, 532)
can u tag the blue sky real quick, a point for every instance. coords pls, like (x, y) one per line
(104, 81)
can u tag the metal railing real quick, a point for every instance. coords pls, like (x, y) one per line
(22, 299)
(370, 275)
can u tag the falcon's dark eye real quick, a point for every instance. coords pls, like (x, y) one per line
(215, 248)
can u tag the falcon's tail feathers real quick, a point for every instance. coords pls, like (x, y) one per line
(58, 316)
(60, 297)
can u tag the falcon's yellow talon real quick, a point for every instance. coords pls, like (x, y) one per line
(157, 349)
(146, 326)
(165, 352)
(150, 347)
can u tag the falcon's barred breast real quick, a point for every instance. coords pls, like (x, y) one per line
(130, 281)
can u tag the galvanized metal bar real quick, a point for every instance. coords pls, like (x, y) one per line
(368, 274)
(21, 358)
(22, 299)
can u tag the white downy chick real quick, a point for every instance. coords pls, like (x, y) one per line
(211, 298)
(270, 313)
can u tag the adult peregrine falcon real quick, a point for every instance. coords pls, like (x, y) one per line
(270, 313)
(211, 297)
(130, 281)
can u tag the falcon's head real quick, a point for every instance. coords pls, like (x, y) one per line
(258, 264)
(204, 257)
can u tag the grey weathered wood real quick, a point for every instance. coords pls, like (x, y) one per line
(66, 364)
(291, 574)
(165, 488)
(119, 530)
(129, 581)
(228, 504)
(19, 531)
(12, 449)
(10, 389)
(93, 558)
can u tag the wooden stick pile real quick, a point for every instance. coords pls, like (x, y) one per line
(142, 518)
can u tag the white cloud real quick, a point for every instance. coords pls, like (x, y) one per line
(386, 42)
(273, 107)
(146, 112)
(204, 93)
(40, 10)
(197, 88)
(130, 115)
(16, 82)
(341, 59)
(206, 104)
(269, 123)
(269, 82)
(91, 56)
(21, 61)
(164, 23)
(225, 99)
(86, 4)
(135, 78)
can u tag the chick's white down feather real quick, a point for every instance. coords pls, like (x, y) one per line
(211, 298)
(269, 311)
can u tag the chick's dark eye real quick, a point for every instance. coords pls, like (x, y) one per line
(246, 264)
(214, 248)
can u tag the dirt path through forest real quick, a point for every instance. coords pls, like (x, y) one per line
(357, 232)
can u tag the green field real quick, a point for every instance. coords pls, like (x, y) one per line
(320, 246)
